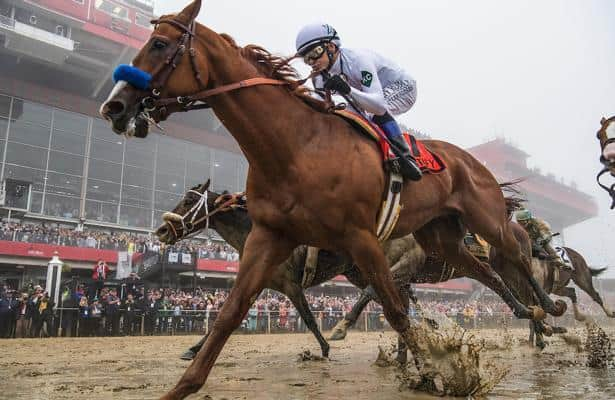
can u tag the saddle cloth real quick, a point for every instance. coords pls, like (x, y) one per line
(427, 161)
(563, 254)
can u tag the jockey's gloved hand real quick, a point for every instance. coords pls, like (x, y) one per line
(337, 84)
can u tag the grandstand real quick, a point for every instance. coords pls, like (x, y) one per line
(70, 185)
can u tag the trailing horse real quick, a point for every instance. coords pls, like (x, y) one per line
(312, 180)
(201, 208)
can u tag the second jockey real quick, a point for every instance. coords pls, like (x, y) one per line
(375, 84)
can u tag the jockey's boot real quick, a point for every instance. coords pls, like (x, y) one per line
(400, 148)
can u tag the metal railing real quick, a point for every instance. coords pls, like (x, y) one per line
(67, 322)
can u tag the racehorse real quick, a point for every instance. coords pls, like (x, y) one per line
(200, 208)
(312, 180)
(606, 135)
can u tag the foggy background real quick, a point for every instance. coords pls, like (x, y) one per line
(539, 74)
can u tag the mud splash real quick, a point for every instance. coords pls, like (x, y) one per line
(448, 362)
(598, 346)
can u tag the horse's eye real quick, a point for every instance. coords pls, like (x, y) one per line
(159, 44)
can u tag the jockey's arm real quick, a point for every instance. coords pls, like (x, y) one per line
(371, 96)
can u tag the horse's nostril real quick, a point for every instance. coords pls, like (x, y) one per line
(113, 108)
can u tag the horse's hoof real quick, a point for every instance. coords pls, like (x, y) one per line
(548, 330)
(541, 345)
(338, 334)
(188, 355)
(560, 308)
(537, 313)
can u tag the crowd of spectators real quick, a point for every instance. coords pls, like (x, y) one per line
(132, 310)
(53, 233)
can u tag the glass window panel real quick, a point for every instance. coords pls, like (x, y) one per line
(106, 150)
(61, 206)
(170, 183)
(67, 185)
(134, 176)
(166, 201)
(104, 170)
(102, 129)
(198, 170)
(192, 182)
(24, 111)
(4, 123)
(28, 156)
(197, 152)
(170, 164)
(5, 106)
(103, 191)
(2, 144)
(68, 142)
(243, 175)
(158, 218)
(103, 212)
(36, 202)
(135, 216)
(137, 196)
(35, 176)
(225, 171)
(140, 153)
(65, 163)
(71, 122)
(27, 133)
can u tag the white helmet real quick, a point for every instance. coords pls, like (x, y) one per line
(313, 34)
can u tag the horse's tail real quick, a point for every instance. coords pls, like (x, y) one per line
(596, 271)
(514, 199)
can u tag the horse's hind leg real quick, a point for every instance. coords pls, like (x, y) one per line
(340, 330)
(445, 236)
(495, 229)
(366, 251)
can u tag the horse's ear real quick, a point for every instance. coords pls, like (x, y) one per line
(602, 121)
(191, 11)
(205, 186)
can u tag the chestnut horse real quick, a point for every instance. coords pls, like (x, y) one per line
(606, 135)
(312, 180)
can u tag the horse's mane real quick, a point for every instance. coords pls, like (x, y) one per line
(276, 67)
(514, 200)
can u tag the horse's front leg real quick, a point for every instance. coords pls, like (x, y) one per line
(263, 251)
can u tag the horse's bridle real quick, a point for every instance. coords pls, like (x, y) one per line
(189, 220)
(609, 166)
(187, 103)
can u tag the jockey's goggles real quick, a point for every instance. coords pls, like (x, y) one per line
(314, 54)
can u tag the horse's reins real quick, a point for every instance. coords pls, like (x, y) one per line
(188, 103)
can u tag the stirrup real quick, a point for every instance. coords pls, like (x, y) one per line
(406, 167)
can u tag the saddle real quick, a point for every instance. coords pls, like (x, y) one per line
(426, 160)
(477, 246)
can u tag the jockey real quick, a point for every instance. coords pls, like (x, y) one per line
(373, 83)
(541, 236)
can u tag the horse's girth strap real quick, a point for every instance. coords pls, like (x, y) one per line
(391, 208)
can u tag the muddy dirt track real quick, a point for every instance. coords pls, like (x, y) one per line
(268, 367)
